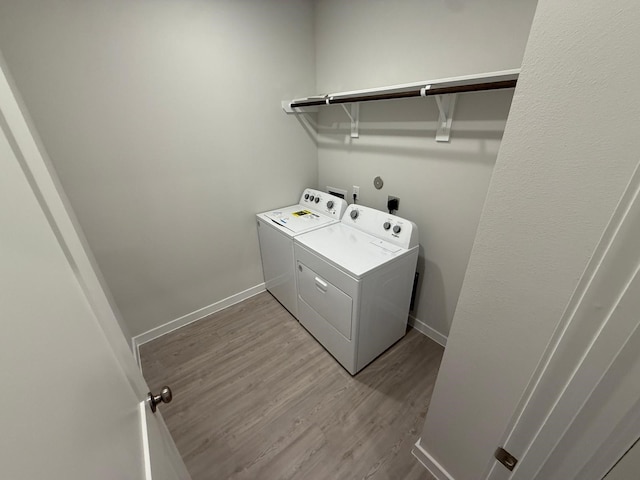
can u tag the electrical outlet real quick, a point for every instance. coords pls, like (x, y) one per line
(393, 203)
(356, 191)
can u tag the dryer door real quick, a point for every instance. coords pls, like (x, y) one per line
(326, 299)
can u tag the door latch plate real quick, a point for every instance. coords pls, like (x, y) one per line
(505, 458)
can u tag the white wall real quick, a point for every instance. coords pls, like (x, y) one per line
(559, 175)
(442, 187)
(162, 120)
(371, 43)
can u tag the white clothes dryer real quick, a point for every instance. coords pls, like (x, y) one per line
(355, 280)
(276, 230)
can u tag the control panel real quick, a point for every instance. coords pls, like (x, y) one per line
(323, 202)
(393, 229)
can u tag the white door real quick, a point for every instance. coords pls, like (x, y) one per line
(73, 405)
(582, 411)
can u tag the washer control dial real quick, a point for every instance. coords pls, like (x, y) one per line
(396, 229)
(330, 204)
(317, 199)
(386, 225)
(354, 214)
(311, 198)
(306, 196)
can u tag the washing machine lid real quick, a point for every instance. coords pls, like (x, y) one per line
(351, 250)
(297, 219)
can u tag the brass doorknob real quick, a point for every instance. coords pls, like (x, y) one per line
(165, 397)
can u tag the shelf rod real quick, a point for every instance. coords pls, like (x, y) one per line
(309, 102)
(416, 92)
(374, 96)
(477, 87)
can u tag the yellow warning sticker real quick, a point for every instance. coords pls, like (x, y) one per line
(301, 213)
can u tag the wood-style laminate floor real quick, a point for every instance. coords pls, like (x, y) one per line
(256, 397)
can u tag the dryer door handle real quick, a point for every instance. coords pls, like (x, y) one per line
(322, 285)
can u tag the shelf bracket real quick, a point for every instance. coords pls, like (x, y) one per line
(446, 105)
(354, 116)
(286, 106)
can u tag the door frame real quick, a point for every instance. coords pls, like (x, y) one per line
(586, 367)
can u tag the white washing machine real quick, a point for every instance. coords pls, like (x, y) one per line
(276, 230)
(355, 280)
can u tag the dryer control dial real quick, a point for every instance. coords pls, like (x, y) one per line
(396, 229)
(386, 225)
(354, 214)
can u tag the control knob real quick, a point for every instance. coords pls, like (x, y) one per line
(306, 196)
(317, 199)
(330, 204)
(386, 225)
(396, 229)
(311, 198)
(354, 214)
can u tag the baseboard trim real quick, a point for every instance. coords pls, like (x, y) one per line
(191, 317)
(428, 331)
(430, 463)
